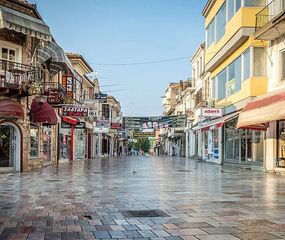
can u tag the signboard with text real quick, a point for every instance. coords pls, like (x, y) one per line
(140, 123)
(211, 112)
(138, 134)
(75, 111)
(78, 125)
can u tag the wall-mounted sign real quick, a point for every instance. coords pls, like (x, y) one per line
(101, 97)
(116, 125)
(54, 97)
(78, 125)
(103, 123)
(100, 130)
(75, 111)
(211, 112)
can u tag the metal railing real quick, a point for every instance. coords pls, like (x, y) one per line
(14, 75)
(268, 13)
(53, 86)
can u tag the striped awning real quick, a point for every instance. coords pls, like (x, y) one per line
(58, 59)
(19, 22)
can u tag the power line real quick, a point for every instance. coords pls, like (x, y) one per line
(141, 63)
(148, 62)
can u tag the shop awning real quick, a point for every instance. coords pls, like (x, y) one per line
(19, 22)
(69, 120)
(44, 113)
(9, 108)
(58, 59)
(218, 122)
(258, 113)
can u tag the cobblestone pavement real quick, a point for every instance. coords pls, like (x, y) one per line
(87, 200)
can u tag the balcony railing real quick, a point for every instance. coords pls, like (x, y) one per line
(54, 91)
(16, 75)
(269, 12)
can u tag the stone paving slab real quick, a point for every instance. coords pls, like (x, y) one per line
(87, 198)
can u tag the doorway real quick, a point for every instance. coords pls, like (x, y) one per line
(9, 147)
(47, 143)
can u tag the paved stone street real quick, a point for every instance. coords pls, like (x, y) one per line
(88, 200)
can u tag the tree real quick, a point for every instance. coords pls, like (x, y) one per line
(142, 144)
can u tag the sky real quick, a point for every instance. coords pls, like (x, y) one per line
(130, 31)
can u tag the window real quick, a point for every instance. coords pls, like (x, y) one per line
(246, 65)
(229, 80)
(105, 111)
(211, 33)
(231, 9)
(8, 54)
(221, 81)
(34, 141)
(282, 65)
(259, 62)
(238, 5)
(221, 22)
(254, 3)
(213, 80)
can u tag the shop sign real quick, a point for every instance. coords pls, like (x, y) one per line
(78, 125)
(211, 112)
(54, 97)
(103, 123)
(75, 111)
(102, 97)
(11, 113)
(138, 134)
(116, 125)
(100, 130)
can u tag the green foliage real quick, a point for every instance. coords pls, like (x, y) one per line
(142, 144)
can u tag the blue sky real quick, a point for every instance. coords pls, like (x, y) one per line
(129, 31)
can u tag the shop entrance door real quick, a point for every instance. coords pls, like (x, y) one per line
(246, 146)
(7, 146)
(47, 143)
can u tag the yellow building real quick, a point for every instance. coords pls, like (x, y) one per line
(237, 66)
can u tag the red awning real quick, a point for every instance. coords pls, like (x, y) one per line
(43, 113)
(264, 109)
(9, 108)
(218, 122)
(69, 120)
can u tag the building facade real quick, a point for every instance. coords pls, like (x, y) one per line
(236, 63)
(266, 112)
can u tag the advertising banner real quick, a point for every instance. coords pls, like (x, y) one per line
(140, 123)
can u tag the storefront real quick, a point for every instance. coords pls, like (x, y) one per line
(281, 143)
(243, 145)
(266, 114)
(11, 135)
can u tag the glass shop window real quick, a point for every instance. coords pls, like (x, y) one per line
(34, 141)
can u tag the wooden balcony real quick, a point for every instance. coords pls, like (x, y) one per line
(15, 78)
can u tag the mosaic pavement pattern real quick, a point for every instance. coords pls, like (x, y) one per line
(90, 200)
